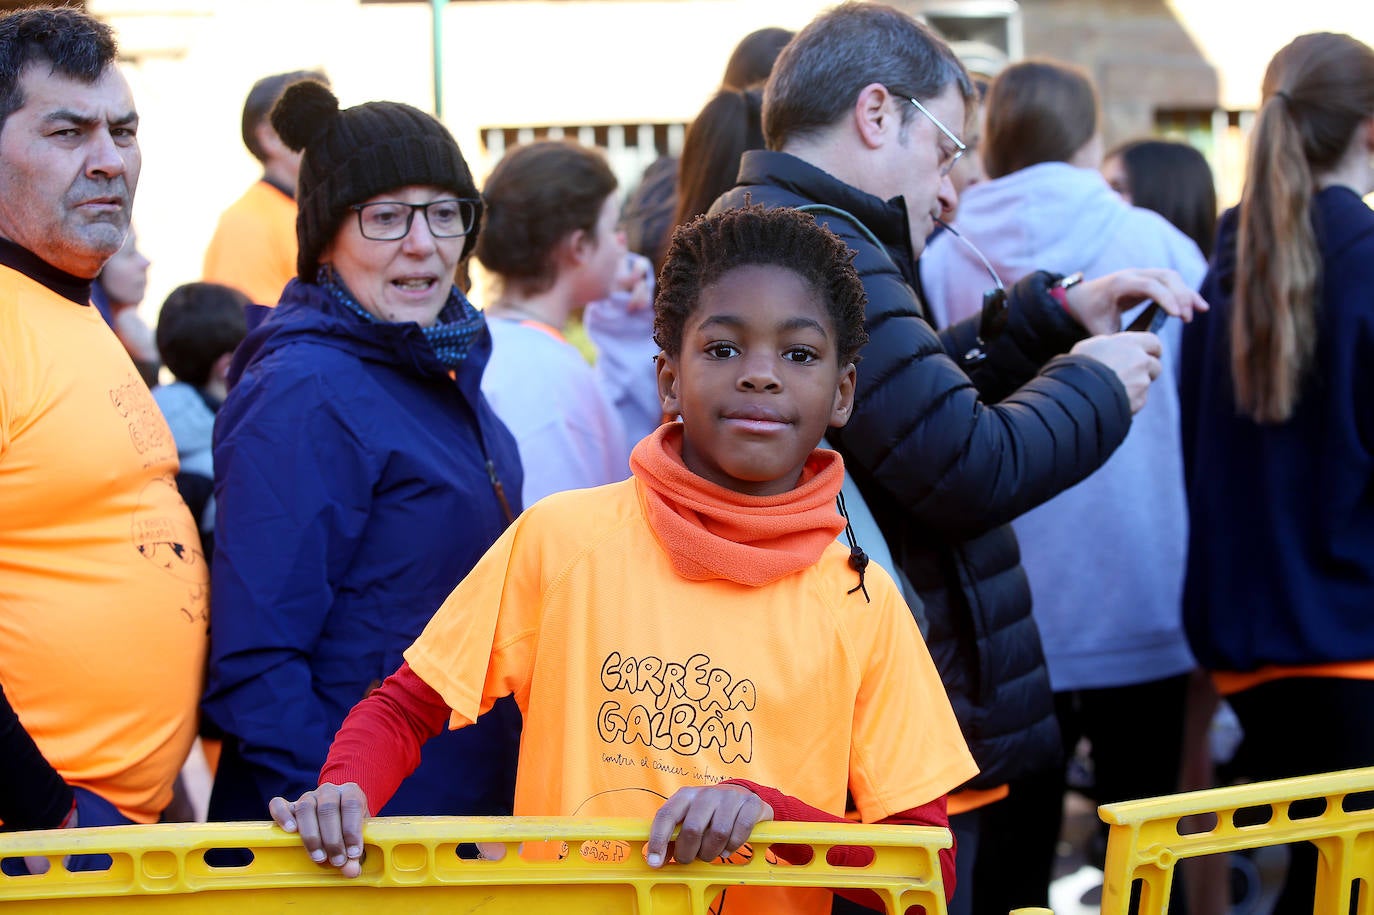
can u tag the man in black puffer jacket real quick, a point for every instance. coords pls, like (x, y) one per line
(953, 434)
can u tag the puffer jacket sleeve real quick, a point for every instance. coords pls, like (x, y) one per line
(293, 482)
(931, 436)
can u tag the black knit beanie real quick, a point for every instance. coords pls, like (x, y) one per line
(358, 153)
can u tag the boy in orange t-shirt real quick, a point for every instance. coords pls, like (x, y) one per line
(690, 644)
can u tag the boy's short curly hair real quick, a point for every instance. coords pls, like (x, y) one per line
(708, 247)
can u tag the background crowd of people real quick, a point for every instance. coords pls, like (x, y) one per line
(327, 476)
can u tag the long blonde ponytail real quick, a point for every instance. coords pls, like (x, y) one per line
(1317, 91)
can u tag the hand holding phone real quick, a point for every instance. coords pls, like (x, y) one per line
(1150, 320)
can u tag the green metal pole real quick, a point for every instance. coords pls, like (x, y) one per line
(437, 31)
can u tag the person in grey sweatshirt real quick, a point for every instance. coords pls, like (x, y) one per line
(1105, 558)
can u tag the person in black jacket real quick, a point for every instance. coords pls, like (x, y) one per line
(954, 434)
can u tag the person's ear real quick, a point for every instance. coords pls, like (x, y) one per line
(844, 396)
(873, 117)
(579, 245)
(665, 372)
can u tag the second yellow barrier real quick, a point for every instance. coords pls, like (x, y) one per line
(412, 866)
(1333, 811)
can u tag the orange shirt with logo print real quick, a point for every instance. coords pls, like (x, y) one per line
(254, 245)
(635, 680)
(103, 589)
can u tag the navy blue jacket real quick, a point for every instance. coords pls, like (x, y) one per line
(351, 475)
(1281, 546)
(946, 453)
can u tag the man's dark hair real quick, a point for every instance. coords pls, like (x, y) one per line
(199, 323)
(72, 43)
(262, 97)
(705, 249)
(819, 74)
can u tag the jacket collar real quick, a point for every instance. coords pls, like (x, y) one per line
(886, 219)
(309, 313)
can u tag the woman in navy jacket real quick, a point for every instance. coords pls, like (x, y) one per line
(359, 471)
(1279, 432)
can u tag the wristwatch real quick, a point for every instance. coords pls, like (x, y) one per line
(1059, 289)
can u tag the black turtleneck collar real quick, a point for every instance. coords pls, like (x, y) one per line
(35, 268)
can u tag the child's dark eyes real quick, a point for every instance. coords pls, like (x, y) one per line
(801, 355)
(722, 350)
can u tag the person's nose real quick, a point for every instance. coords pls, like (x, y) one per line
(947, 195)
(104, 158)
(419, 241)
(758, 372)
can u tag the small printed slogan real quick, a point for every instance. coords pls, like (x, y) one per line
(690, 707)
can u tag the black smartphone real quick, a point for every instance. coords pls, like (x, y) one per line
(1150, 320)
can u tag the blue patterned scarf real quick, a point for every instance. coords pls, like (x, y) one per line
(450, 336)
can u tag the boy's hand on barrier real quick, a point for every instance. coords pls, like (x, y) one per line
(715, 821)
(330, 823)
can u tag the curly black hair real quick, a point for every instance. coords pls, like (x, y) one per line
(708, 247)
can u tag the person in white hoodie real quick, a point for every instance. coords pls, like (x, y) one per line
(1106, 558)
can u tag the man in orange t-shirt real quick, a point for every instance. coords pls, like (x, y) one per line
(103, 606)
(254, 245)
(690, 644)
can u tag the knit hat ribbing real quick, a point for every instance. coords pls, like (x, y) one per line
(357, 153)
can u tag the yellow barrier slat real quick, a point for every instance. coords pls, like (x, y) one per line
(1144, 841)
(411, 865)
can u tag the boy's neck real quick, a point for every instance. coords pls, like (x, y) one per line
(552, 306)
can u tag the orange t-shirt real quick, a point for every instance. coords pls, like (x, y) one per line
(103, 588)
(254, 245)
(635, 681)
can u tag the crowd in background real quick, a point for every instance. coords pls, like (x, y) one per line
(1096, 513)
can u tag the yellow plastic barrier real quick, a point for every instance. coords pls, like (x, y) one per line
(411, 865)
(1144, 842)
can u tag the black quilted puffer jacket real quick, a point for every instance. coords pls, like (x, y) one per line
(946, 453)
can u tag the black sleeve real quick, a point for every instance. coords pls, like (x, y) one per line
(1037, 329)
(32, 794)
(956, 460)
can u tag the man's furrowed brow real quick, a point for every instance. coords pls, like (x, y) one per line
(81, 119)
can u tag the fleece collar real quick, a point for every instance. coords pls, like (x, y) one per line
(711, 532)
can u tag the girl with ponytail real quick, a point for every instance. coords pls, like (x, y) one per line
(1278, 386)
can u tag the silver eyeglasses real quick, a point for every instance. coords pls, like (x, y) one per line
(959, 147)
(390, 220)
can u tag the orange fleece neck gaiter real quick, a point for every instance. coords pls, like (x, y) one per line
(711, 532)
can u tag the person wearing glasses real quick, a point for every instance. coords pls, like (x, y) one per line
(1110, 618)
(953, 434)
(359, 471)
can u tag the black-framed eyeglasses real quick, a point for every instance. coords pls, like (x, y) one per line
(959, 148)
(389, 220)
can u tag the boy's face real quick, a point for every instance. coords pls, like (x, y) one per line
(757, 380)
